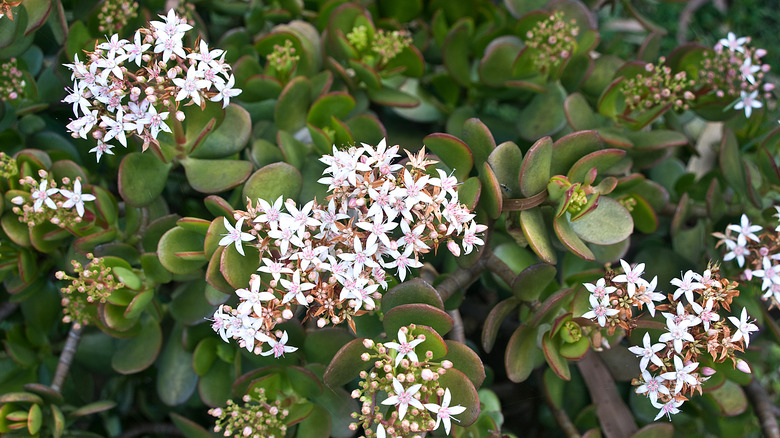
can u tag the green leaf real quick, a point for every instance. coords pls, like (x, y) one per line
(494, 320)
(433, 341)
(601, 160)
(293, 150)
(320, 346)
(535, 171)
(214, 387)
(456, 50)
(422, 314)
(655, 430)
(236, 268)
(469, 192)
(139, 352)
(466, 360)
(230, 136)
(293, 105)
(413, 291)
(530, 283)
(336, 104)
(272, 181)
(93, 408)
(572, 241)
(657, 139)
(175, 247)
(609, 223)
(392, 97)
(346, 364)
(479, 139)
(215, 176)
(730, 398)
(521, 353)
(505, 160)
(316, 425)
(452, 151)
(491, 199)
(544, 115)
(176, 380)
(189, 428)
(463, 394)
(534, 228)
(495, 67)
(558, 363)
(731, 163)
(142, 178)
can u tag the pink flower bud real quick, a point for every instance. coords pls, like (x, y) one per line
(707, 371)
(287, 314)
(760, 53)
(748, 274)
(366, 357)
(454, 248)
(480, 228)
(368, 343)
(427, 374)
(446, 364)
(180, 116)
(743, 366)
(769, 87)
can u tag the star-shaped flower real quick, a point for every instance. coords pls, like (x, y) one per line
(744, 327)
(295, 289)
(745, 228)
(76, 198)
(235, 235)
(669, 408)
(686, 286)
(42, 195)
(278, 348)
(253, 298)
(403, 398)
(600, 310)
(748, 102)
(404, 348)
(682, 374)
(648, 352)
(600, 289)
(632, 277)
(733, 43)
(678, 332)
(652, 386)
(444, 412)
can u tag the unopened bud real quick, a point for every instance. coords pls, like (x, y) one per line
(707, 371)
(743, 366)
(287, 314)
(368, 343)
(180, 116)
(454, 248)
(427, 374)
(446, 364)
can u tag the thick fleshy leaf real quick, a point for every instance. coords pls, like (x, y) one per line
(453, 152)
(491, 199)
(505, 160)
(530, 283)
(609, 223)
(189, 305)
(293, 150)
(535, 231)
(467, 361)
(272, 181)
(645, 219)
(479, 139)
(215, 176)
(469, 192)
(230, 137)
(176, 380)
(392, 97)
(346, 364)
(521, 353)
(139, 352)
(236, 268)
(557, 363)
(456, 51)
(575, 350)
(495, 68)
(214, 387)
(572, 241)
(142, 178)
(535, 172)
(293, 105)
(413, 291)
(336, 104)
(657, 139)
(544, 115)
(367, 128)
(423, 314)
(731, 163)
(494, 320)
(433, 342)
(93, 408)
(177, 248)
(600, 160)
(320, 346)
(655, 430)
(730, 398)
(189, 428)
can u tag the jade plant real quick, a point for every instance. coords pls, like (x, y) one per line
(387, 219)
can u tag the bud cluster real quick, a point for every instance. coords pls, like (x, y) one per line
(63, 206)
(256, 418)
(733, 70)
(555, 39)
(8, 166)
(757, 253)
(92, 285)
(695, 327)
(114, 14)
(282, 61)
(657, 86)
(133, 87)
(380, 218)
(12, 81)
(412, 386)
(379, 47)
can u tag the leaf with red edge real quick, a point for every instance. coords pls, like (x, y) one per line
(451, 151)
(139, 352)
(433, 342)
(456, 50)
(413, 291)
(534, 228)
(463, 394)
(494, 320)
(530, 283)
(557, 363)
(466, 360)
(601, 160)
(570, 239)
(423, 314)
(347, 364)
(535, 172)
(491, 199)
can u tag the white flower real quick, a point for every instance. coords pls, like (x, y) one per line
(75, 198)
(225, 91)
(403, 398)
(361, 256)
(470, 238)
(445, 412)
(652, 386)
(745, 228)
(191, 86)
(770, 274)
(114, 45)
(600, 289)
(411, 237)
(744, 327)
(271, 212)
(136, 49)
(705, 313)
(222, 322)
(295, 289)
(78, 99)
(649, 296)
(378, 230)
(274, 268)
(678, 332)
(737, 250)
(404, 348)
(278, 348)
(286, 234)
(42, 195)
(632, 277)
(648, 352)
(414, 189)
(155, 121)
(682, 374)
(669, 408)
(253, 298)
(403, 261)
(235, 235)
(748, 102)
(302, 217)
(102, 148)
(360, 292)
(205, 57)
(748, 69)
(600, 310)
(733, 43)
(686, 286)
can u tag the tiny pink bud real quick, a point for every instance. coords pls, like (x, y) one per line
(480, 228)
(707, 371)
(427, 374)
(748, 274)
(368, 343)
(180, 116)
(454, 248)
(366, 357)
(743, 366)
(760, 53)
(287, 314)
(446, 364)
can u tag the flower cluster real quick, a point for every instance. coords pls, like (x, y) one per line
(8, 166)
(379, 47)
(670, 369)
(256, 418)
(12, 81)
(133, 87)
(93, 284)
(282, 61)
(379, 220)
(63, 206)
(412, 386)
(734, 71)
(657, 86)
(114, 14)
(555, 39)
(758, 254)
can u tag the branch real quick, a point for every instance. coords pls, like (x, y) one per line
(616, 419)
(764, 409)
(164, 429)
(66, 357)
(457, 333)
(461, 278)
(498, 267)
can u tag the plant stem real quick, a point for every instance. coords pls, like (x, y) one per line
(764, 409)
(461, 278)
(616, 419)
(66, 357)
(561, 417)
(457, 333)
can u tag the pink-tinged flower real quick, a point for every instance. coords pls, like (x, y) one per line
(444, 412)
(155, 121)
(278, 348)
(470, 238)
(632, 277)
(361, 257)
(454, 248)
(412, 236)
(286, 234)
(649, 296)
(76, 198)
(225, 91)
(682, 374)
(235, 235)
(404, 261)
(301, 218)
(737, 250)
(253, 298)
(276, 269)
(743, 366)
(102, 148)
(748, 70)
(295, 289)
(770, 274)
(191, 86)
(678, 332)
(413, 189)
(733, 43)
(652, 386)
(403, 398)
(669, 408)
(600, 310)
(705, 313)
(135, 50)
(404, 348)
(745, 228)
(270, 211)
(378, 229)
(748, 102)
(42, 195)
(648, 352)
(686, 286)
(600, 289)
(206, 58)
(360, 292)
(222, 322)
(744, 327)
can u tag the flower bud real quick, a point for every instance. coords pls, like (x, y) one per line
(368, 343)
(446, 364)
(180, 116)
(454, 248)
(287, 314)
(743, 366)
(427, 374)
(707, 371)
(365, 357)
